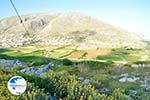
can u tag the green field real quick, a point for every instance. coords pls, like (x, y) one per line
(100, 66)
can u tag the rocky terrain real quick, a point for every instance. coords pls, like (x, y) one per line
(10, 64)
(122, 78)
(65, 29)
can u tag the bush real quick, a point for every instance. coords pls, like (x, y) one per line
(60, 85)
(67, 87)
(109, 62)
(142, 62)
(67, 62)
(33, 92)
(112, 57)
(93, 65)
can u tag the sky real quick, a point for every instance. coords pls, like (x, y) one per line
(132, 15)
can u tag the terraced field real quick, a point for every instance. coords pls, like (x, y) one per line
(70, 52)
(105, 69)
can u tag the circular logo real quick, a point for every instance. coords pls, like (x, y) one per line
(17, 85)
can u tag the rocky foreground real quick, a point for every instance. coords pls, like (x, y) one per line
(126, 77)
(9, 64)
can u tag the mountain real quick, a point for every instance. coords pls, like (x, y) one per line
(65, 29)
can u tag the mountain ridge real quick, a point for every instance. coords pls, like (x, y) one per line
(66, 29)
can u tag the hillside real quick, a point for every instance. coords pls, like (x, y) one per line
(72, 56)
(65, 29)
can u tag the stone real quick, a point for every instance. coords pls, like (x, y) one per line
(41, 23)
(145, 86)
(128, 78)
(81, 78)
(133, 92)
(104, 90)
(140, 65)
(19, 63)
(86, 81)
(50, 96)
(8, 64)
(40, 71)
(134, 65)
(124, 75)
(28, 70)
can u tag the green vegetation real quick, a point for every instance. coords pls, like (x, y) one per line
(109, 57)
(142, 62)
(67, 62)
(62, 80)
(60, 85)
(33, 91)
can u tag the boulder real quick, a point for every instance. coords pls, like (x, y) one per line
(29, 70)
(104, 90)
(40, 71)
(86, 81)
(8, 64)
(81, 78)
(19, 63)
(128, 78)
(145, 86)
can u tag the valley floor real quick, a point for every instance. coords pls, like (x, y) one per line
(72, 73)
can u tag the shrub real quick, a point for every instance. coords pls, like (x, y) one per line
(60, 85)
(142, 62)
(67, 62)
(93, 64)
(66, 87)
(33, 92)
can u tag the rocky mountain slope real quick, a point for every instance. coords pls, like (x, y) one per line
(65, 29)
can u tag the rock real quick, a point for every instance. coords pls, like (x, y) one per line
(81, 78)
(145, 80)
(50, 96)
(86, 81)
(128, 78)
(40, 71)
(104, 90)
(133, 92)
(41, 23)
(43, 69)
(140, 65)
(134, 65)
(19, 63)
(145, 86)
(29, 70)
(7, 64)
(124, 75)
(47, 67)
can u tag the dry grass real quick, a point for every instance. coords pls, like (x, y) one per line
(76, 54)
(93, 53)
